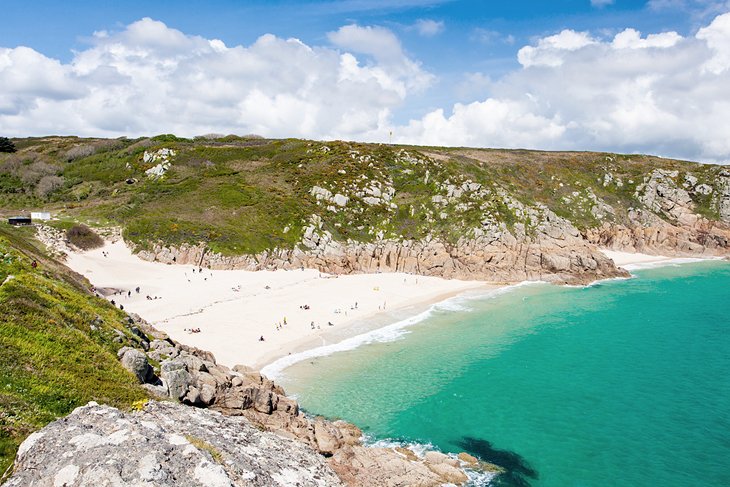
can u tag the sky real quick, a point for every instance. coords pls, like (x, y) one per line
(634, 76)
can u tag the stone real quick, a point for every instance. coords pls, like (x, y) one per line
(164, 445)
(468, 459)
(340, 200)
(136, 362)
(435, 457)
(448, 473)
(176, 377)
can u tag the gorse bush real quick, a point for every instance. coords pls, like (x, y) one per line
(83, 237)
(6, 145)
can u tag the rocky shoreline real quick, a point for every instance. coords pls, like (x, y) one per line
(230, 425)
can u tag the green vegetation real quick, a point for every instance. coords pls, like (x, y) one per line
(245, 195)
(58, 343)
(203, 445)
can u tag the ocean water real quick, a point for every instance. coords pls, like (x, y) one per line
(623, 383)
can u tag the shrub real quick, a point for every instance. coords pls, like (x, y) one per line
(6, 145)
(47, 185)
(79, 152)
(84, 237)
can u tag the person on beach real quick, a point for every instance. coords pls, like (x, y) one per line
(261, 338)
(137, 289)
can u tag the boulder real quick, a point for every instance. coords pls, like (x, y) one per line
(176, 377)
(165, 445)
(136, 362)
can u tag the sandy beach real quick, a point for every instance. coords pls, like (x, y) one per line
(292, 310)
(233, 309)
(632, 261)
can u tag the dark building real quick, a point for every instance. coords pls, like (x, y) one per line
(19, 220)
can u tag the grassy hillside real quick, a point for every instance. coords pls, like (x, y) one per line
(245, 195)
(58, 343)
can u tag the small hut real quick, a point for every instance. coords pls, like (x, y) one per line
(19, 220)
(40, 215)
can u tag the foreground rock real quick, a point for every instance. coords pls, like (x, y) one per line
(164, 444)
(193, 377)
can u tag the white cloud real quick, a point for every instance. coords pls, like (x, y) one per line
(631, 39)
(150, 78)
(429, 27)
(661, 93)
(658, 93)
(549, 50)
(717, 37)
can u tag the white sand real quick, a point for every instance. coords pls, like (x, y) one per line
(234, 308)
(623, 259)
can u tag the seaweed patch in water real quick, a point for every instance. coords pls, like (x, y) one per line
(517, 470)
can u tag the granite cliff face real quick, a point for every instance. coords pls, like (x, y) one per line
(540, 245)
(554, 251)
(669, 223)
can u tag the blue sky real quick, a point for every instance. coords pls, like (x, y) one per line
(444, 53)
(474, 31)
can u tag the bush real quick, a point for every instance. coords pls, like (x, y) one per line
(47, 185)
(79, 152)
(6, 145)
(84, 237)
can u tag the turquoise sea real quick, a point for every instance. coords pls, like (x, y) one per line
(623, 383)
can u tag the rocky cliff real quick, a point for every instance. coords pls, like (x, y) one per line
(667, 220)
(669, 223)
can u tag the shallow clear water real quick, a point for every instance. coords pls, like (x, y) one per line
(623, 383)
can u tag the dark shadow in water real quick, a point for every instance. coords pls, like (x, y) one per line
(518, 471)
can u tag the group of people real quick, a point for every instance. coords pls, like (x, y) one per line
(280, 325)
(192, 330)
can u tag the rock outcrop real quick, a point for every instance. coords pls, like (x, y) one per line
(193, 377)
(670, 224)
(163, 444)
(553, 251)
